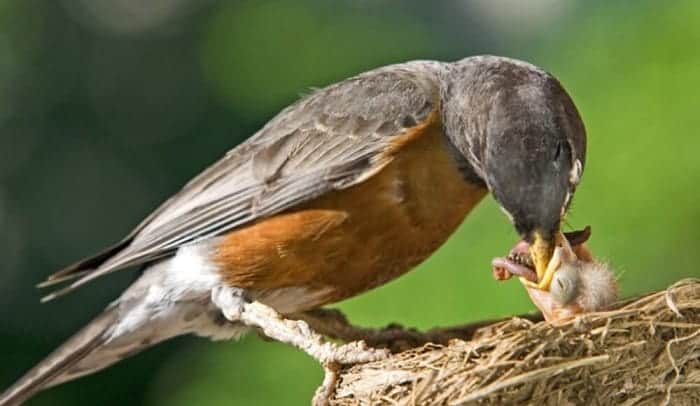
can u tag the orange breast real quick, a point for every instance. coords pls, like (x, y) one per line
(352, 240)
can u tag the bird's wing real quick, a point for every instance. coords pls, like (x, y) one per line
(332, 139)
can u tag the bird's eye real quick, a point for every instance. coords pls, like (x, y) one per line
(557, 152)
(565, 285)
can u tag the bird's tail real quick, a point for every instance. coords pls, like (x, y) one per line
(125, 328)
(61, 364)
(151, 310)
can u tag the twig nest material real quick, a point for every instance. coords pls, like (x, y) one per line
(645, 351)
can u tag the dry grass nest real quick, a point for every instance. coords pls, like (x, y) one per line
(644, 351)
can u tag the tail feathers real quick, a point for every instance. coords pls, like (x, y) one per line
(52, 369)
(84, 266)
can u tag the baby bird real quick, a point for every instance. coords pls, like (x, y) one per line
(580, 284)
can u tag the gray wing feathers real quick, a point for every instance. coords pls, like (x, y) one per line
(331, 139)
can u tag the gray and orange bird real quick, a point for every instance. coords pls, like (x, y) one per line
(343, 191)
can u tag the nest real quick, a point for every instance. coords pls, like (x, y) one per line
(645, 351)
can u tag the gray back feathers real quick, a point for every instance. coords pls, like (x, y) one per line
(334, 138)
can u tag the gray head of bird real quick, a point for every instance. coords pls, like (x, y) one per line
(523, 137)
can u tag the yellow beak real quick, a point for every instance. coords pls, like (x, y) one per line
(541, 252)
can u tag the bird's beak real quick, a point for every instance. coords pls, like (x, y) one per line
(541, 251)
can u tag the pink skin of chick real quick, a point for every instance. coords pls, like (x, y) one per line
(580, 284)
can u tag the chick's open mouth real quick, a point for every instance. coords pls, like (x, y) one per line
(519, 261)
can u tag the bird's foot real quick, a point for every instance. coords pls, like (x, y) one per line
(231, 302)
(297, 333)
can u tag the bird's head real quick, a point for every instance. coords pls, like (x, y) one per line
(524, 139)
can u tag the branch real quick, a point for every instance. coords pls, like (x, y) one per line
(643, 351)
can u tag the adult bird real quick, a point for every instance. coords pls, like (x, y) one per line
(342, 191)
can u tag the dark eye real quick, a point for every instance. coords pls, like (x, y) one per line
(560, 283)
(557, 152)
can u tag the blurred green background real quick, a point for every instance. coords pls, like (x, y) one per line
(108, 106)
